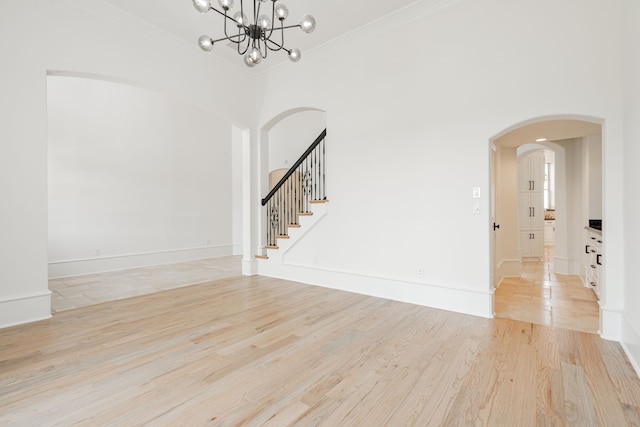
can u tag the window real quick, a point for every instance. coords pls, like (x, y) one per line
(549, 193)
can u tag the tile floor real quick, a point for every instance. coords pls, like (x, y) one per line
(543, 297)
(80, 291)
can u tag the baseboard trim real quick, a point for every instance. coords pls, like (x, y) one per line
(20, 309)
(631, 345)
(611, 323)
(77, 267)
(460, 300)
(508, 268)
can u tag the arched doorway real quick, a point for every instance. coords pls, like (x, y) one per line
(282, 140)
(565, 136)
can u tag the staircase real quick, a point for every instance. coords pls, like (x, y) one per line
(296, 198)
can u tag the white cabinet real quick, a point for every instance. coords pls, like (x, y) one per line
(531, 211)
(531, 205)
(531, 243)
(593, 259)
(531, 173)
(549, 232)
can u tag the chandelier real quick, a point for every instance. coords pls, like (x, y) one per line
(256, 37)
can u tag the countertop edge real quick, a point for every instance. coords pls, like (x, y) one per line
(593, 230)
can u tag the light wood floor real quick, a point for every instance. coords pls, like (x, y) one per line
(260, 351)
(80, 291)
(543, 297)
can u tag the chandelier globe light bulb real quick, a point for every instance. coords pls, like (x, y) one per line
(226, 4)
(295, 55)
(308, 24)
(241, 19)
(281, 12)
(202, 6)
(205, 43)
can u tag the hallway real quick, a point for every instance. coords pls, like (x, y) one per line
(543, 297)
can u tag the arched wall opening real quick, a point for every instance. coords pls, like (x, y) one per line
(282, 140)
(570, 137)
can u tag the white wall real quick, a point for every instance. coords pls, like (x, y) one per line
(631, 319)
(237, 196)
(594, 152)
(85, 37)
(134, 177)
(289, 138)
(507, 257)
(410, 122)
(570, 209)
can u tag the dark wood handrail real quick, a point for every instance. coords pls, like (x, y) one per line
(292, 169)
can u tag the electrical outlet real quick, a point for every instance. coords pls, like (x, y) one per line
(420, 272)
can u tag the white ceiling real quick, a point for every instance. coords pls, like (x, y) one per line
(552, 130)
(334, 18)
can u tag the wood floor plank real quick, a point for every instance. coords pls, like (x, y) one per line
(251, 351)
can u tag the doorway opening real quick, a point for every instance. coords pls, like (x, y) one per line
(543, 195)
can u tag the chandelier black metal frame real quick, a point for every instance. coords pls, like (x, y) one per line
(258, 36)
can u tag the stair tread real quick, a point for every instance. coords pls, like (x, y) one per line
(318, 201)
(262, 256)
(282, 236)
(293, 225)
(305, 213)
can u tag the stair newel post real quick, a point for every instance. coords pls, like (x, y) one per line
(268, 227)
(269, 222)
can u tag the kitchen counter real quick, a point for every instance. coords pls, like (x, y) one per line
(593, 230)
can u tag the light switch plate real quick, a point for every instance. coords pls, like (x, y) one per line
(476, 192)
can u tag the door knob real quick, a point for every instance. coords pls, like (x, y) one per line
(495, 226)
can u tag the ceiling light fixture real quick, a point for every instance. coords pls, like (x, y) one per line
(258, 36)
(541, 139)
